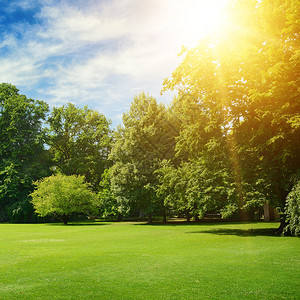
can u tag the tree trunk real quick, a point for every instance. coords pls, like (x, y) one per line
(269, 214)
(164, 215)
(188, 216)
(141, 215)
(65, 219)
(279, 230)
(150, 217)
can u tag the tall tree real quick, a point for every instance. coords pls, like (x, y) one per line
(245, 85)
(109, 205)
(145, 139)
(80, 141)
(23, 157)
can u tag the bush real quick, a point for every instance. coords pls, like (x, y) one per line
(292, 211)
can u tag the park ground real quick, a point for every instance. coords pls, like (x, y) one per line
(131, 260)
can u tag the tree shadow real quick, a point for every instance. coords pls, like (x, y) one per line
(240, 232)
(199, 223)
(77, 224)
(171, 224)
(221, 231)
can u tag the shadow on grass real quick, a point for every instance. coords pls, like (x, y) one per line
(222, 231)
(240, 232)
(77, 224)
(199, 223)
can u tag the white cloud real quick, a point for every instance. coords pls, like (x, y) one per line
(20, 71)
(100, 54)
(73, 26)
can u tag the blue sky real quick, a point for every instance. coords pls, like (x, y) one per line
(96, 53)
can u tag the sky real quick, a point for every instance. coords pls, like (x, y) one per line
(98, 53)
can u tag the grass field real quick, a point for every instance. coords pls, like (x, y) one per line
(138, 261)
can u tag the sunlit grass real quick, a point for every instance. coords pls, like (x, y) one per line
(136, 261)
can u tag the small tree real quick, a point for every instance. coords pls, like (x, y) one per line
(61, 195)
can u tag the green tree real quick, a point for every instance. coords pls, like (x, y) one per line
(109, 205)
(23, 157)
(244, 84)
(200, 177)
(145, 139)
(197, 187)
(61, 196)
(80, 141)
(172, 188)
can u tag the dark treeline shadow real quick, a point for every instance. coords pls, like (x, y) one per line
(78, 224)
(240, 232)
(199, 223)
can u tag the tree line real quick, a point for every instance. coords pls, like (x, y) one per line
(228, 143)
(36, 143)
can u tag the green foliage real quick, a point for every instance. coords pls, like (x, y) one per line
(23, 158)
(80, 141)
(140, 145)
(22, 212)
(197, 188)
(109, 206)
(239, 98)
(292, 210)
(228, 143)
(61, 195)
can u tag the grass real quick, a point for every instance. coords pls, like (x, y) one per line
(136, 261)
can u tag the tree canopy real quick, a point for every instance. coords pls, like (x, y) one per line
(61, 196)
(80, 141)
(143, 141)
(23, 158)
(244, 87)
(227, 144)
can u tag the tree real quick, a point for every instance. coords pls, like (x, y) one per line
(172, 188)
(244, 84)
(61, 195)
(197, 187)
(23, 158)
(145, 139)
(109, 205)
(80, 141)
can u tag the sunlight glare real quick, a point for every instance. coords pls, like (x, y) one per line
(195, 19)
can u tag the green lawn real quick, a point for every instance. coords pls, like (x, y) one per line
(137, 261)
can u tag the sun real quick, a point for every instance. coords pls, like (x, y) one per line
(195, 19)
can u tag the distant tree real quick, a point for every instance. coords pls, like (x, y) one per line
(23, 158)
(172, 188)
(61, 196)
(197, 187)
(80, 142)
(109, 205)
(140, 144)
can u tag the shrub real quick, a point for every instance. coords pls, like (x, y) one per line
(292, 211)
